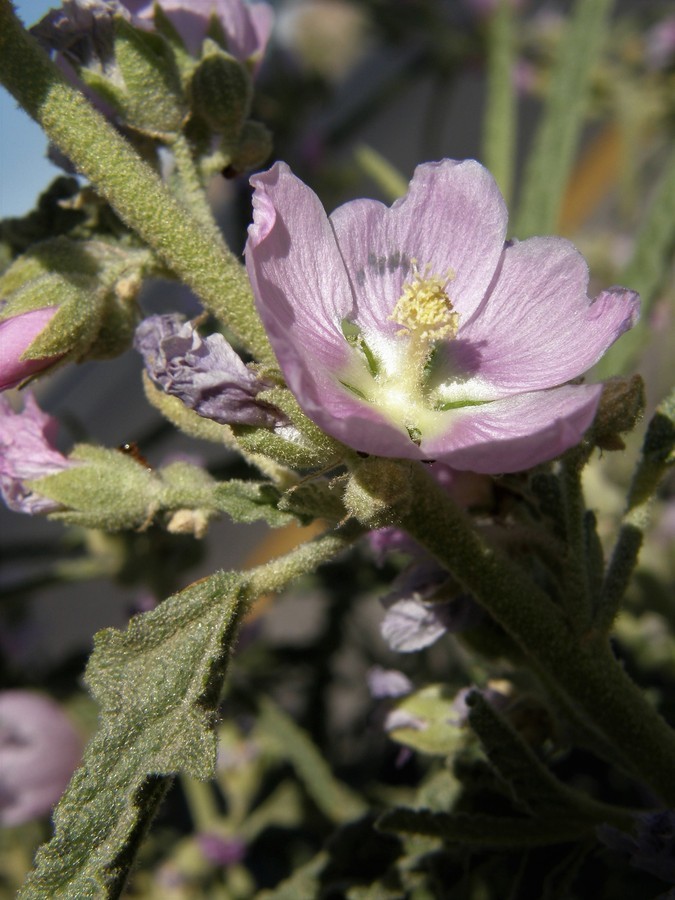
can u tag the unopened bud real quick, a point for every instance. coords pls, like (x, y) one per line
(221, 91)
(378, 492)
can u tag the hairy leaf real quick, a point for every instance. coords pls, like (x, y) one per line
(481, 830)
(248, 501)
(158, 685)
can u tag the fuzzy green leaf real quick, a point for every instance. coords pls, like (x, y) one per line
(249, 501)
(481, 830)
(533, 787)
(158, 685)
(658, 455)
(109, 490)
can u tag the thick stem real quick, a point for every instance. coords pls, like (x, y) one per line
(584, 669)
(192, 191)
(578, 601)
(132, 188)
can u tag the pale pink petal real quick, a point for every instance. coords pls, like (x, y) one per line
(453, 218)
(247, 27)
(537, 328)
(516, 433)
(300, 284)
(17, 333)
(39, 750)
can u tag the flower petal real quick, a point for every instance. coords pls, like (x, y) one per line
(537, 328)
(452, 218)
(515, 433)
(303, 294)
(17, 333)
(27, 452)
(294, 263)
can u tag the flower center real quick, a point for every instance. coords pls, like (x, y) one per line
(396, 373)
(425, 311)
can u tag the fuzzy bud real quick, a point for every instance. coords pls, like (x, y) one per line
(378, 492)
(16, 335)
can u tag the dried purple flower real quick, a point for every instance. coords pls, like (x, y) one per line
(205, 373)
(652, 849)
(387, 683)
(220, 850)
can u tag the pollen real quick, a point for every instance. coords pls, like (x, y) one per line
(425, 310)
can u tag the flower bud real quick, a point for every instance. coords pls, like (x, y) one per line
(378, 491)
(221, 90)
(16, 335)
(39, 750)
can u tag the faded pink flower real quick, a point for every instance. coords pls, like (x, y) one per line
(39, 750)
(16, 335)
(415, 331)
(27, 452)
(247, 26)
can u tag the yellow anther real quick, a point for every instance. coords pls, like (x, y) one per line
(425, 310)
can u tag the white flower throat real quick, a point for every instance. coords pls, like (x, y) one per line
(395, 377)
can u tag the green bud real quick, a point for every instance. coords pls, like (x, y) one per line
(253, 149)
(378, 491)
(221, 91)
(94, 284)
(154, 99)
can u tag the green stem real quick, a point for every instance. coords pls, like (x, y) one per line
(275, 575)
(550, 160)
(193, 193)
(584, 669)
(132, 188)
(499, 133)
(578, 601)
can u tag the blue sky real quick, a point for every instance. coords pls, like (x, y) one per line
(24, 170)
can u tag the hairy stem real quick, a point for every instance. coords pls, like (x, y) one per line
(583, 668)
(131, 186)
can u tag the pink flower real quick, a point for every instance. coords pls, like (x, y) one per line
(660, 44)
(39, 750)
(27, 452)
(247, 27)
(415, 331)
(16, 335)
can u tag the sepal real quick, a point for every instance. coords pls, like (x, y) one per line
(153, 100)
